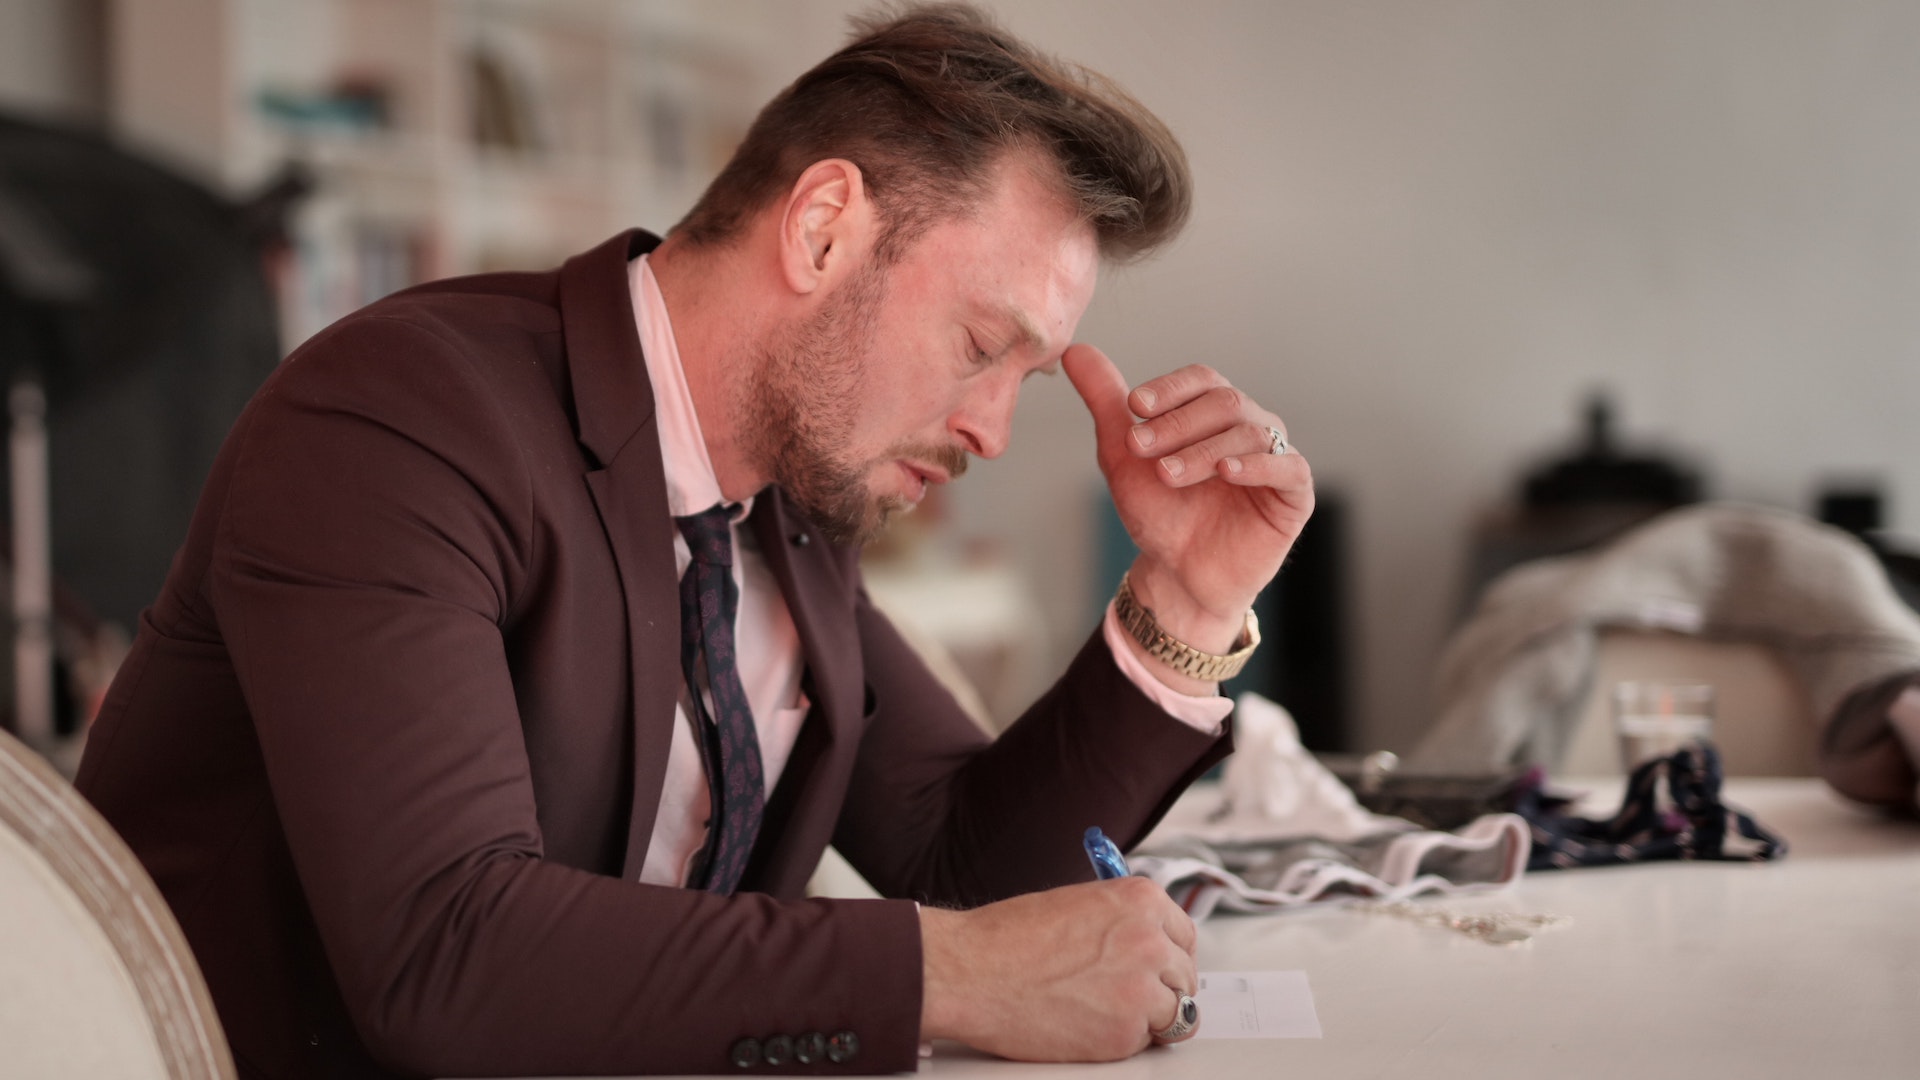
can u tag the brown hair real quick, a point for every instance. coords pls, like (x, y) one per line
(925, 100)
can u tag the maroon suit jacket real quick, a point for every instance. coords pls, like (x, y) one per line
(392, 738)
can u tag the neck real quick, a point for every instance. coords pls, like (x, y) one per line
(716, 331)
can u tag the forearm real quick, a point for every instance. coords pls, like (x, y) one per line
(970, 824)
(534, 968)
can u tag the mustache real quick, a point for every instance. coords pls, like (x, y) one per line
(951, 459)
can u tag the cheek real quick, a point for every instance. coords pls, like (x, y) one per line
(917, 406)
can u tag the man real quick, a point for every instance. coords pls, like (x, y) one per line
(516, 669)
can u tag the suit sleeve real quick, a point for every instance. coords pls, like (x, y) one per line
(374, 541)
(938, 813)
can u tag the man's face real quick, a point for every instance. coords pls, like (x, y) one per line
(906, 370)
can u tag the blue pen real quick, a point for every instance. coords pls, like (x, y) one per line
(1106, 858)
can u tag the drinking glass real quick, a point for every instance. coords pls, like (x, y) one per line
(1654, 719)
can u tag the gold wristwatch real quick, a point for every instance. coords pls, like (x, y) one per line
(1177, 654)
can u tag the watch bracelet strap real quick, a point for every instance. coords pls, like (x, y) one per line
(1140, 624)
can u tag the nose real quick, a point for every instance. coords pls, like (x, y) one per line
(984, 421)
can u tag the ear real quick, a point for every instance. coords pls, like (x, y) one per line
(827, 226)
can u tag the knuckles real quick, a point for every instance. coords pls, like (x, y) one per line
(1177, 386)
(1171, 427)
(1200, 375)
(1139, 890)
(1216, 410)
(1231, 400)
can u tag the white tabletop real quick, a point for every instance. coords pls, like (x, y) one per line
(1800, 968)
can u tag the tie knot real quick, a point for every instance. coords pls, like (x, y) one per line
(709, 535)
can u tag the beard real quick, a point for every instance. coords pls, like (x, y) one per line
(803, 413)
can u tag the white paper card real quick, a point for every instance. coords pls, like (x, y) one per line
(1256, 1005)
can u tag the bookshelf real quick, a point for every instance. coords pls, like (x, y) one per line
(444, 136)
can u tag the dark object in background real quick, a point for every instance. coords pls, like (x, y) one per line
(1578, 501)
(1439, 801)
(1859, 508)
(151, 337)
(1691, 822)
(1302, 661)
(1600, 473)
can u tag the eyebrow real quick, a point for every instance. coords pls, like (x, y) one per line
(1030, 334)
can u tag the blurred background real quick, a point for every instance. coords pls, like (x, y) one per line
(1516, 272)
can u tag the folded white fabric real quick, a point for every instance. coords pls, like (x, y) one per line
(1285, 832)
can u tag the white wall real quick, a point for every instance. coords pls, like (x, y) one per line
(1426, 229)
(50, 62)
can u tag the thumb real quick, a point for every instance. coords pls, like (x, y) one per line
(1104, 390)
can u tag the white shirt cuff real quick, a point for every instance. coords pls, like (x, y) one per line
(1203, 714)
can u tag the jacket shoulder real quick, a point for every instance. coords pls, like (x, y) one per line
(479, 306)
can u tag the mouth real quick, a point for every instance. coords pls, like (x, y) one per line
(931, 474)
(923, 475)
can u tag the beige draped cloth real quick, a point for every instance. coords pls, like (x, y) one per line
(1512, 680)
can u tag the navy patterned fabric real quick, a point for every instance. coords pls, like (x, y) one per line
(730, 749)
(1689, 823)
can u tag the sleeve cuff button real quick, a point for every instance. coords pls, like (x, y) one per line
(843, 1047)
(810, 1049)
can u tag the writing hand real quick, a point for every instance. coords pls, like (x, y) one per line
(1080, 973)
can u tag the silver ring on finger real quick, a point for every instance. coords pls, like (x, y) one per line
(1186, 1017)
(1276, 442)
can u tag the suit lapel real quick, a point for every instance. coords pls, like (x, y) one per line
(613, 404)
(805, 805)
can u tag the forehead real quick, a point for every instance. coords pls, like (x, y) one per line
(1022, 255)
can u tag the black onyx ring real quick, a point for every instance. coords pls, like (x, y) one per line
(1186, 1017)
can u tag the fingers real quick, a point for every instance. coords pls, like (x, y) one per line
(1181, 978)
(1287, 471)
(1198, 422)
(1104, 390)
(1170, 391)
(1180, 928)
(1163, 956)
(1225, 454)
(1183, 1020)
(1178, 969)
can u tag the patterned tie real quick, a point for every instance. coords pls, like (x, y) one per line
(729, 748)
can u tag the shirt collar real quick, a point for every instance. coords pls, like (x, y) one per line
(692, 485)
